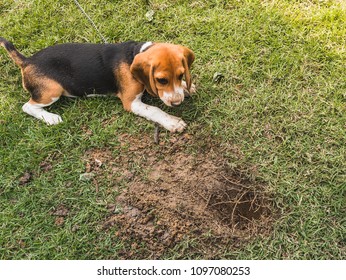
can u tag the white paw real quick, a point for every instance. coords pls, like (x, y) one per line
(37, 111)
(175, 124)
(51, 119)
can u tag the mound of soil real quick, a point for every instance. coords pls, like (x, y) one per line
(175, 195)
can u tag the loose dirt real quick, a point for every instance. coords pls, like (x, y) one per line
(178, 199)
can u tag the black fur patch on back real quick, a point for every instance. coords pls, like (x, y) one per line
(84, 69)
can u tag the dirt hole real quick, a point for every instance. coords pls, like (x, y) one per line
(174, 195)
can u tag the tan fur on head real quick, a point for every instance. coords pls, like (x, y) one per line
(161, 68)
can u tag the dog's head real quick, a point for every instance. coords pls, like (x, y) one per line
(161, 69)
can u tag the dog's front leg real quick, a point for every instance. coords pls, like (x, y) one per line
(171, 123)
(131, 97)
(134, 104)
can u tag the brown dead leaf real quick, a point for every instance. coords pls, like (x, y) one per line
(25, 178)
(59, 221)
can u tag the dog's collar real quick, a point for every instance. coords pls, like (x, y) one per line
(145, 46)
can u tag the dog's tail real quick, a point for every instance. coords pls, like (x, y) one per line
(16, 56)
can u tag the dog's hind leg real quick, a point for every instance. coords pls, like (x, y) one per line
(36, 110)
(44, 92)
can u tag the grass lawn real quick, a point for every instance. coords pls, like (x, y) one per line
(275, 121)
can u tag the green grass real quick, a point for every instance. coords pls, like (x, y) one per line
(281, 105)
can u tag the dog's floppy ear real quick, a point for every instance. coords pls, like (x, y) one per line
(188, 59)
(143, 70)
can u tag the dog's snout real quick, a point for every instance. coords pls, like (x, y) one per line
(175, 104)
(172, 99)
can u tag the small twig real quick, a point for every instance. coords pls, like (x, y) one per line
(234, 183)
(96, 186)
(207, 200)
(202, 196)
(235, 206)
(207, 204)
(236, 202)
(241, 216)
(156, 133)
(253, 202)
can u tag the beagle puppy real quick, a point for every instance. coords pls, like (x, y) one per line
(125, 70)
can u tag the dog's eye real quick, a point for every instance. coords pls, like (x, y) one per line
(180, 77)
(162, 81)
